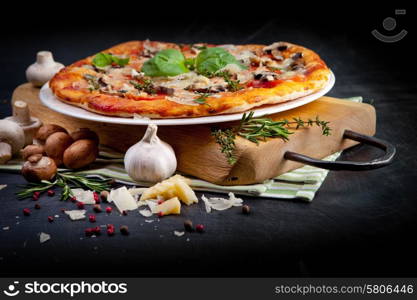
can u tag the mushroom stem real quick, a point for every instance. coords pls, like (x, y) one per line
(5, 152)
(21, 113)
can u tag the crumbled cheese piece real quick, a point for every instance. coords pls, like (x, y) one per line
(6, 227)
(76, 214)
(123, 200)
(179, 233)
(2, 186)
(87, 197)
(152, 204)
(43, 237)
(218, 203)
(146, 213)
(149, 221)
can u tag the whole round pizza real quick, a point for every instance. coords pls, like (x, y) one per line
(164, 80)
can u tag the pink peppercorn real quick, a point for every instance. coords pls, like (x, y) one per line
(80, 205)
(92, 218)
(50, 219)
(73, 199)
(97, 230)
(88, 231)
(26, 211)
(96, 197)
(199, 228)
(51, 193)
(108, 209)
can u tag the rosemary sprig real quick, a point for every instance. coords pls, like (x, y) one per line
(226, 139)
(258, 129)
(66, 181)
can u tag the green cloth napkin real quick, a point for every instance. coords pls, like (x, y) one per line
(302, 183)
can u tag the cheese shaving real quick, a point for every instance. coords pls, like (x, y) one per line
(123, 200)
(179, 233)
(2, 186)
(44, 237)
(218, 203)
(152, 204)
(87, 197)
(146, 213)
(76, 214)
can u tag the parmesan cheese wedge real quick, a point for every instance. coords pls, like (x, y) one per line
(175, 186)
(169, 207)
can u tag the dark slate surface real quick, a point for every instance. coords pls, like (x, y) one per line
(360, 223)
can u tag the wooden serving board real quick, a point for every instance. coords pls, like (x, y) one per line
(200, 156)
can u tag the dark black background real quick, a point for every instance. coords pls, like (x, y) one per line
(359, 224)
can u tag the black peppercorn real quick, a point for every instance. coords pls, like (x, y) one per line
(124, 230)
(188, 225)
(245, 209)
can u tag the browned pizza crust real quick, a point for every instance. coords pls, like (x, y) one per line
(70, 86)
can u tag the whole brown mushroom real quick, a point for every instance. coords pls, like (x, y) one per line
(30, 150)
(80, 154)
(56, 144)
(38, 168)
(46, 130)
(84, 134)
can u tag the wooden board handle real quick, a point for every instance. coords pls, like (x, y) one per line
(380, 162)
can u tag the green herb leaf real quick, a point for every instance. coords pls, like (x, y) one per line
(232, 85)
(210, 60)
(202, 99)
(102, 60)
(168, 62)
(147, 86)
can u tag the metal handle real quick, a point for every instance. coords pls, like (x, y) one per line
(380, 162)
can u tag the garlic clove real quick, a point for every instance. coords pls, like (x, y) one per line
(151, 159)
(43, 69)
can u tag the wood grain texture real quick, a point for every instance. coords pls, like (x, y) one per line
(200, 156)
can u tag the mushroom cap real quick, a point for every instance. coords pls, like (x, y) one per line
(12, 134)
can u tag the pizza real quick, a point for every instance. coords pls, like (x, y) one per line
(150, 79)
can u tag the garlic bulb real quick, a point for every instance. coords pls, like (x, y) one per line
(151, 159)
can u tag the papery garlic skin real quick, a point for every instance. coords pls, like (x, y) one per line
(151, 159)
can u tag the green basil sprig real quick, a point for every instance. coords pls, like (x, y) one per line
(210, 60)
(104, 59)
(168, 62)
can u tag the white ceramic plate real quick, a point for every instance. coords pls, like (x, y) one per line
(51, 101)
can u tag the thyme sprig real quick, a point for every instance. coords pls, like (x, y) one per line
(146, 86)
(66, 181)
(232, 85)
(259, 129)
(202, 99)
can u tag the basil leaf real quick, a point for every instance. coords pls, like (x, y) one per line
(102, 60)
(211, 60)
(120, 61)
(168, 62)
